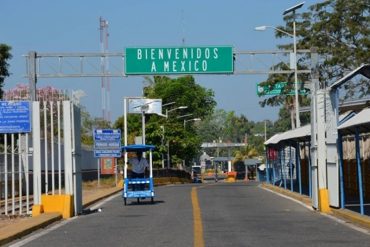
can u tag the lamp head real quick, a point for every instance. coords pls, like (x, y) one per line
(260, 28)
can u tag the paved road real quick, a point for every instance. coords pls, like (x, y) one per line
(224, 214)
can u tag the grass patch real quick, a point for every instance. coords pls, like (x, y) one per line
(104, 183)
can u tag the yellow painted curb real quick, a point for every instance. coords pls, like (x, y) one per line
(354, 217)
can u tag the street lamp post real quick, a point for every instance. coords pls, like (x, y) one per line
(168, 142)
(262, 28)
(144, 108)
(174, 109)
(287, 11)
(188, 120)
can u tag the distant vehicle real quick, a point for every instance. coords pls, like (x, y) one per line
(196, 174)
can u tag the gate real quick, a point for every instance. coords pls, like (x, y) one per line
(44, 163)
(14, 175)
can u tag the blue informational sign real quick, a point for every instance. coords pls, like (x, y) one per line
(15, 117)
(107, 143)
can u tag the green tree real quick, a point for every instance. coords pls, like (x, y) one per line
(246, 152)
(4, 66)
(88, 124)
(237, 128)
(184, 91)
(283, 123)
(184, 144)
(340, 30)
(224, 126)
(133, 127)
(211, 128)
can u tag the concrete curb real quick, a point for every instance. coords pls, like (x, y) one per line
(99, 197)
(353, 217)
(26, 226)
(302, 198)
(343, 214)
(31, 224)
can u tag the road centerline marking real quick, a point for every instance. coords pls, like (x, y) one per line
(197, 219)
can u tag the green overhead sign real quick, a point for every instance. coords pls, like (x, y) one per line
(278, 88)
(179, 60)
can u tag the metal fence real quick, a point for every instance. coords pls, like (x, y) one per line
(45, 161)
(14, 175)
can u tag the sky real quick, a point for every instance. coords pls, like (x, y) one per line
(73, 26)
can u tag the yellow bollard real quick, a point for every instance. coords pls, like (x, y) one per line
(324, 200)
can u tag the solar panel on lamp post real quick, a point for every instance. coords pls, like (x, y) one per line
(263, 28)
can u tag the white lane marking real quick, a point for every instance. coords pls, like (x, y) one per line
(343, 222)
(44, 232)
(60, 224)
(287, 197)
(349, 224)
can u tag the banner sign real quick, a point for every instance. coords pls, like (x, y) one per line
(179, 60)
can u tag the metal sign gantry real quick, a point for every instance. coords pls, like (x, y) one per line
(90, 64)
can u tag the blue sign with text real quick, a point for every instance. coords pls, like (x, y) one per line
(107, 143)
(15, 117)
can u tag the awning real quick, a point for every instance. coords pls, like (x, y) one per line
(363, 70)
(361, 120)
(294, 134)
(273, 140)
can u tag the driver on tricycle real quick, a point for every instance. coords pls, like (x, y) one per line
(139, 167)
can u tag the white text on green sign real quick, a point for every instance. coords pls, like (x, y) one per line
(180, 60)
(278, 89)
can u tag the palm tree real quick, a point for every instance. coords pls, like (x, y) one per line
(246, 152)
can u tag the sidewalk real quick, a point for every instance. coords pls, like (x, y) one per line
(343, 214)
(17, 227)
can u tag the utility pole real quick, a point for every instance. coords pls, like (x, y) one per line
(105, 81)
(32, 74)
